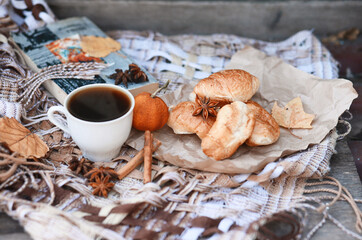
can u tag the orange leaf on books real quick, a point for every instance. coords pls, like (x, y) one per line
(99, 46)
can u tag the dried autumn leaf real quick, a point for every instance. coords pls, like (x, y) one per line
(292, 115)
(99, 46)
(21, 140)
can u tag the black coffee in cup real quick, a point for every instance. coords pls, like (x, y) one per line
(99, 104)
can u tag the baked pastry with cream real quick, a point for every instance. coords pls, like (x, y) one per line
(266, 130)
(234, 124)
(227, 86)
(182, 121)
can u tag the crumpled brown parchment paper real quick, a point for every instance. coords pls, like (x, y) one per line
(280, 82)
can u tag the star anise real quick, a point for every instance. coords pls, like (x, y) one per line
(101, 172)
(82, 166)
(101, 186)
(205, 107)
(133, 74)
(137, 74)
(121, 77)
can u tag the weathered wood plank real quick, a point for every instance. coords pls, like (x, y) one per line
(262, 20)
(15, 236)
(9, 225)
(344, 170)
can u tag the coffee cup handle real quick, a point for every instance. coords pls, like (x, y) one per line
(54, 120)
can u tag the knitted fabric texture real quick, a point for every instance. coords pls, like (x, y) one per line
(180, 203)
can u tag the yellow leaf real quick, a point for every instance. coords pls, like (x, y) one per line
(20, 139)
(292, 115)
(99, 46)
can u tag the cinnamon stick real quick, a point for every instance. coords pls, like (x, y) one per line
(135, 161)
(147, 162)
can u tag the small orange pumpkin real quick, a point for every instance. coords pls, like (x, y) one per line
(149, 113)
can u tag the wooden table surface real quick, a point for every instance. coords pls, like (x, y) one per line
(342, 164)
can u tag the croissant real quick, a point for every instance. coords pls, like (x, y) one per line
(182, 121)
(266, 130)
(227, 86)
(234, 124)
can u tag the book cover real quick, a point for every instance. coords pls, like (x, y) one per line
(59, 42)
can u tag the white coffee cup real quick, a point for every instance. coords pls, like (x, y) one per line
(99, 141)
